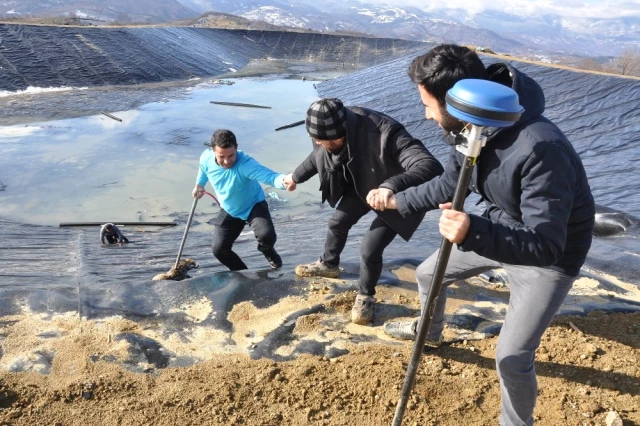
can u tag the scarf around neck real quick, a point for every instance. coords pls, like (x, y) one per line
(334, 180)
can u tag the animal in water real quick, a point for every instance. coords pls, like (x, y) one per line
(179, 272)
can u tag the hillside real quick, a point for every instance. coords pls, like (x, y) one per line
(121, 11)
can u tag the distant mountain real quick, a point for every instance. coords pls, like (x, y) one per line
(536, 36)
(123, 11)
(501, 32)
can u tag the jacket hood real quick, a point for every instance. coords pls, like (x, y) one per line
(529, 92)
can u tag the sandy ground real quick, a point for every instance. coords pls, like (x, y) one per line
(587, 368)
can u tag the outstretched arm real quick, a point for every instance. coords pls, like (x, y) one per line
(306, 170)
(429, 195)
(251, 169)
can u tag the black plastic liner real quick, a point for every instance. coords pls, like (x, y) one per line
(41, 56)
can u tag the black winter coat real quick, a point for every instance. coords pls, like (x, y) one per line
(382, 154)
(540, 210)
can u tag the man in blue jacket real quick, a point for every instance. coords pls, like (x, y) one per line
(537, 224)
(235, 177)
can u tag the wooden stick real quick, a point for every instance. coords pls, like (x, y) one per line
(111, 116)
(297, 123)
(240, 105)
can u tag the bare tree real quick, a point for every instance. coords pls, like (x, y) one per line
(628, 63)
(589, 64)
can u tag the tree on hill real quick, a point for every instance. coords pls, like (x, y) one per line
(589, 64)
(628, 63)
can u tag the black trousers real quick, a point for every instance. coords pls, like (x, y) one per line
(228, 228)
(348, 212)
(113, 239)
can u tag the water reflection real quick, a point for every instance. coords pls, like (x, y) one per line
(97, 169)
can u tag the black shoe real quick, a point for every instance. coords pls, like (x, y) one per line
(274, 259)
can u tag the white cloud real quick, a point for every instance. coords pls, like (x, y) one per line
(567, 8)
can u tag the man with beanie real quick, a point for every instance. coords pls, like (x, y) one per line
(361, 156)
(235, 177)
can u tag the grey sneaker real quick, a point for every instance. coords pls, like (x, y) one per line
(403, 330)
(317, 269)
(408, 330)
(362, 311)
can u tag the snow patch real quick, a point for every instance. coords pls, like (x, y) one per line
(35, 90)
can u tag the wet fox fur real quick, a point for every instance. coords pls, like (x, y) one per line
(178, 273)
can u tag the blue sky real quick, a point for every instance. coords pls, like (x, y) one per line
(568, 8)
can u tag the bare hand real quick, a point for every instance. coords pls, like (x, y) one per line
(381, 199)
(198, 192)
(288, 182)
(454, 225)
(378, 198)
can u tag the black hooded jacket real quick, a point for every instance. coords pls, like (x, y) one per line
(382, 154)
(539, 207)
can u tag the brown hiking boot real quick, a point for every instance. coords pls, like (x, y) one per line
(362, 311)
(317, 269)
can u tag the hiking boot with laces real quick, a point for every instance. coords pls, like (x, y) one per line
(274, 259)
(317, 269)
(407, 330)
(362, 311)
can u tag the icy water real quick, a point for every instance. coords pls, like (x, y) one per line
(94, 168)
(91, 168)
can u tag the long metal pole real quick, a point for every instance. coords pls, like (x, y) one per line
(436, 286)
(184, 236)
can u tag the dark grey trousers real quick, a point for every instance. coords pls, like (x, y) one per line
(535, 296)
(348, 212)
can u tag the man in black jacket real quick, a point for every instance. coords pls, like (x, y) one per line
(537, 225)
(361, 156)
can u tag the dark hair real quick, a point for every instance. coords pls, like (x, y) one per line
(223, 138)
(108, 226)
(442, 67)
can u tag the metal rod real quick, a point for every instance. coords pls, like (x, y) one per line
(111, 116)
(118, 223)
(297, 123)
(184, 236)
(436, 286)
(239, 104)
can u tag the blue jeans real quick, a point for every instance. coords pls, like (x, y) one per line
(535, 296)
(348, 212)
